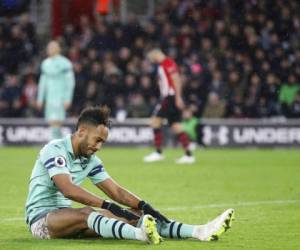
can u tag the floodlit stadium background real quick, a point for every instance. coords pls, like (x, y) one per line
(238, 60)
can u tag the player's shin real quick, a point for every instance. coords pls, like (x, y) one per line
(112, 228)
(175, 229)
(158, 138)
(207, 232)
(56, 132)
(185, 142)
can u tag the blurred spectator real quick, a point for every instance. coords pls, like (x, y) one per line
(269, 91)
(91, 94)
(120, 110)
(28, 29)
(295, 107)
(235, 107)
(15, 48)
(215, 107)
(262, 108)
(29, 94)
(245, 51)
(287, 94)
(11, 97)
(18, 39)
(137, 106)
(252, 96)
(217, 84)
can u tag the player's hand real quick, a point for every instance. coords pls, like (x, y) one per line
(39, 106)
(119, 211)
(67, 105)
(179, 103)
(147, 209)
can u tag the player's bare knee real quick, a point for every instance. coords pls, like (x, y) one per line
(83, 215)
(86, 211)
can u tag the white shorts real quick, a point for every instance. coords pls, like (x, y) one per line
(39, 229)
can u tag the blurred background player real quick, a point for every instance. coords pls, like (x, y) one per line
(170, 107)
(56, 86)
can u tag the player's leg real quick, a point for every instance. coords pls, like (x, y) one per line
(70, 222)
(55, 127)
(207, 232)
(174, 116)
(156, 125)
(184, 141)
(55, 115)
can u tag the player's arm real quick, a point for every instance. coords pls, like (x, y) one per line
(118, 193)
(178, 89)
(125, 197)
(41, 90)
(73, 192)
(70, 84)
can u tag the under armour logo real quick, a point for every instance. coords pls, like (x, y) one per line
(219, 134)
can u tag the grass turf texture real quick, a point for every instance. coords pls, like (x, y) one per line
(262, 185)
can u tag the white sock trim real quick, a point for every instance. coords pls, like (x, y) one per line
(91, 218)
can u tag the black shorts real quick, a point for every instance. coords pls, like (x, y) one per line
(167, 109)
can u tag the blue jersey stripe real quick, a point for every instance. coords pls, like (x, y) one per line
(49, 161)
(51, 166)
(96, 170)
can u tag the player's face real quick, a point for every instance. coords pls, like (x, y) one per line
(93, 139)
(151, 58)
(53, 49)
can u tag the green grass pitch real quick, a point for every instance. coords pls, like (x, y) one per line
(262, 185)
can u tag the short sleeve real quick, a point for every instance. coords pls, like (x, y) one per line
(42, 68)
(97, 173)
(67, 67)
(53, 159)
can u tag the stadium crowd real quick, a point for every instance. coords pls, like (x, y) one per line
(237, 59)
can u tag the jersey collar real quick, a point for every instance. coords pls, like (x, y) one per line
(69, 146)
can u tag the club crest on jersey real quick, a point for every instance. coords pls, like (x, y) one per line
(60, 161)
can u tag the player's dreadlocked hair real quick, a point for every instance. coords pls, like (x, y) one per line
(95, 116)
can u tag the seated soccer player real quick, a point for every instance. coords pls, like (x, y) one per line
(55, 182)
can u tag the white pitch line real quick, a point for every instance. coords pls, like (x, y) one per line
(224, 205)
(238, 204)
(12, 219)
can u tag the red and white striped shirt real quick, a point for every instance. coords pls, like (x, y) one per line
(166, 84)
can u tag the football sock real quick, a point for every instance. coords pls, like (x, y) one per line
(158, 138)
(112, 228)
(175, 229)
(56, 133)
(185, 142)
